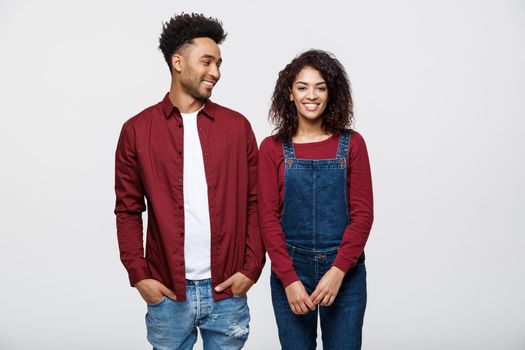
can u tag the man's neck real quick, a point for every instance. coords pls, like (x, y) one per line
(184, 102)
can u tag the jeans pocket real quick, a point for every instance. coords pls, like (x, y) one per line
(158, 302)
(239, 296)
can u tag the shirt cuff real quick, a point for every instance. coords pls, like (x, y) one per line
(138, 274)
(289, 278)
(252, 274)
(343, 264)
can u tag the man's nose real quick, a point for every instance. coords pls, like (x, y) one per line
(215, 72)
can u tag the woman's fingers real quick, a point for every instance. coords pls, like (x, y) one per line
(299, 307)
(326, 290)
(303, 309)
(309, 303)
(298, 298)
(317, 296)
(326, 299)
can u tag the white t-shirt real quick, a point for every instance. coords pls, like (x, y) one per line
(197, 231)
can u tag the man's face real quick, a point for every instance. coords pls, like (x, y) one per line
(199, 67)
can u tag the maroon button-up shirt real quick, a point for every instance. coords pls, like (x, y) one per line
(149, 165)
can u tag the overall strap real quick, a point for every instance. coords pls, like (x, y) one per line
(288, 149)
(344, 141)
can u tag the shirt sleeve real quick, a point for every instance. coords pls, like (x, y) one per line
(270, 215)
(130, 205)
(360, 200)
(254, 253)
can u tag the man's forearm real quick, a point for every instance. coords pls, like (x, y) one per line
(131, 246)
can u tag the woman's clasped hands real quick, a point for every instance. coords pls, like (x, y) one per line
(324, 294)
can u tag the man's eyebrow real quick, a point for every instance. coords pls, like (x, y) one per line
(206, 55)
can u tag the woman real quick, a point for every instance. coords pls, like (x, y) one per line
(316, 208)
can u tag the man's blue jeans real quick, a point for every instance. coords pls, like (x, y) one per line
(223, 324)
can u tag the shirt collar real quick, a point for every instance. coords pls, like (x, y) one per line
(168, 107)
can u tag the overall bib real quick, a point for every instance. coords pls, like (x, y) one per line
(314, 218)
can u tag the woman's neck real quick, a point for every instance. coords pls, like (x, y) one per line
(310, 132)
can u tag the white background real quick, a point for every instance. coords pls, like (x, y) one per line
(439, 91)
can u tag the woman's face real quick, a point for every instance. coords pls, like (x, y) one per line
(309, 93)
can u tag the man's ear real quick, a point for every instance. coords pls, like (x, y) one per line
(177, 62)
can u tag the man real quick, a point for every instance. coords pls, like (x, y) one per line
(196, 164)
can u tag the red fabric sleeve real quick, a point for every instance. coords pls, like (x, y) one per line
(360, 202)
(255, 256)
(270, 204)
(129, 206)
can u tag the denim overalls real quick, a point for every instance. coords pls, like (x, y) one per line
(314, 218)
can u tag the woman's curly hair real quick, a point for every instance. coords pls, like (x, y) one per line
(182, 29)
(338, 114)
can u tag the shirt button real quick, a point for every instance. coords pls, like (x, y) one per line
(179, 152)
(180, 125)
(180, 207)
(180, 179)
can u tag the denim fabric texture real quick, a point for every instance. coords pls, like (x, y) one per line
(223, 324)
(341, 322)
(314, 218)
(315, 210)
